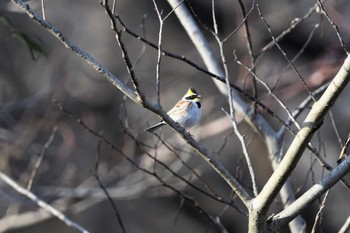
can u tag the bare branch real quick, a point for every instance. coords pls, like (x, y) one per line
(310, 196)
(320, 4)
(312, 122)
(293, 25)
(231, 115)
(319, 213)
(41, 157)
(284, 53)
(95, 174)
(123, 50)
(159, 56)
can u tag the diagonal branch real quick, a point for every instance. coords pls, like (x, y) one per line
(312, 122)
(123, 50)
(310, 196)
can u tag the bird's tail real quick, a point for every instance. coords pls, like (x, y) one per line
(154, 127)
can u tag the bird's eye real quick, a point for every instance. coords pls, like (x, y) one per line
(193, 90)
(191, 97)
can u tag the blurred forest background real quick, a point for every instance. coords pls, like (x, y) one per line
(36, 68)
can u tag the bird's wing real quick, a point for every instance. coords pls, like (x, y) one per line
(179, 107)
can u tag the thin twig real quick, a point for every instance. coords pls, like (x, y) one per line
(41, 157)
(249, 44)
(125, 56)
(319, 213)
(243, 22)
(144, 45)
(43, 9)
(245, 153)
(296, 57)
(343, 152)
(336, 131)
(231, 115)
(159, 55)
(284, 53)
(281, 103)
(175, 152)
(97, 177)
(177, 216)
(172, 10)
(320, 4)
(294, 24)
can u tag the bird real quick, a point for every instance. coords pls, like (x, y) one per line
(187, 112)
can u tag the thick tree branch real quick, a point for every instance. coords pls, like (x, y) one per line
(315, 192)
(312, 122)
